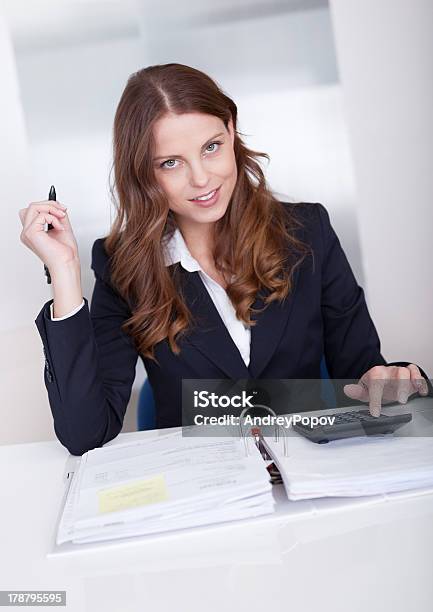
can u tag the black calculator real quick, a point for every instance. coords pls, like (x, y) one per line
(351, 424)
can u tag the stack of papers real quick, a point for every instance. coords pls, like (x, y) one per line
(367, 465)
(163, 483)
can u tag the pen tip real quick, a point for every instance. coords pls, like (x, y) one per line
(52, 194)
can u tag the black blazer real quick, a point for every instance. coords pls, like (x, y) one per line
(90, 363)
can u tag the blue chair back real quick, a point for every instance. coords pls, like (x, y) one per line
(146, 413)
(328, 391)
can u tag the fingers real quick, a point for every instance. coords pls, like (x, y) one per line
(417, 380)
(37, 225)
(356, 392)
(404, 386)
(375, 389)
(374, 381)
(43, 218)
(368, 390)
(27, 215)
(387, 383)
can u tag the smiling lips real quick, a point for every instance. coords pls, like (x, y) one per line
(207, 196)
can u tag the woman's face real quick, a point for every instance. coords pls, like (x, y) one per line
(193, 156)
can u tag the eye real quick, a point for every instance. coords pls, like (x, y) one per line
(164, 164)
(217, 142)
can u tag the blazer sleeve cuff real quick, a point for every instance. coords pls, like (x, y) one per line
(62, 339)
(66, 316)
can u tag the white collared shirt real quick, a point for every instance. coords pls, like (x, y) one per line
(177, 251)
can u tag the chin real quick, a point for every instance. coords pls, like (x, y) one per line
(211, 215)
(206, 215)
(194, 213)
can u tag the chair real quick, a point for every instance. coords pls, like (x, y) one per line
(328, 391)
(146, 414)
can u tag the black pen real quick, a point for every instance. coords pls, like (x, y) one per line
(51, 196)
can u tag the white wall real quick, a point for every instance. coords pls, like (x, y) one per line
(280, 70)
(57, 127)
(385, 57)
(20, 370)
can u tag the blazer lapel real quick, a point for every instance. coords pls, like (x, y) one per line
(267, 332)
(210, 335)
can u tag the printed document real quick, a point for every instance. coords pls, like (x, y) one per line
(164, 483)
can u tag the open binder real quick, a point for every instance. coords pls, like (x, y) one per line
(169, 481)
(161, 484)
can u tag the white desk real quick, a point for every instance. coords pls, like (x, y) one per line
(327, 555)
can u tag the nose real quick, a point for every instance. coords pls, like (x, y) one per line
(198, 175)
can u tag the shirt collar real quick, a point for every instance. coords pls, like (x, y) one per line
(177, 251)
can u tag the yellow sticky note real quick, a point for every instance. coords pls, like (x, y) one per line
(139, 493)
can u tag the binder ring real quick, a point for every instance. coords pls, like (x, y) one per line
(277, 427)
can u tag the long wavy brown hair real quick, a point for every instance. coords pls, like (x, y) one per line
(254, 246)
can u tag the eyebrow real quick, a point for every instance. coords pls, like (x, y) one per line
(172, 156)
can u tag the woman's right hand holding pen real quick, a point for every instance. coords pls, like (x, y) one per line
(57, 248)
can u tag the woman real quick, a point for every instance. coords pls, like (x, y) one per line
(204, 274)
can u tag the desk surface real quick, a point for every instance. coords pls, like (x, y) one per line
(327, 554)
